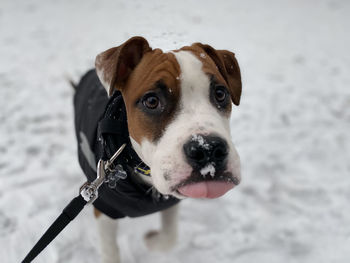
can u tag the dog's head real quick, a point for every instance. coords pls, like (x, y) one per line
(178, 107)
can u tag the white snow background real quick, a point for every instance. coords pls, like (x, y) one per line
(292, 129)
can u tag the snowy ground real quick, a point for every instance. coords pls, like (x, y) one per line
(291, 130)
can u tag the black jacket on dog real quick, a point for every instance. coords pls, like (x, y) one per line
(101, 128)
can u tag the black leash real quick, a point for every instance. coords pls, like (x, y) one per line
(67, 215)
(88, 194)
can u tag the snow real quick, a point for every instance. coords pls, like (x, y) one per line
(291, 129)
(208, 169)
(200, 140)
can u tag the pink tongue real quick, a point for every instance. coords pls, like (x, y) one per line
(208, 189)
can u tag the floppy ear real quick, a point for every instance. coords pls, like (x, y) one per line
(115, 65)
(229, 69)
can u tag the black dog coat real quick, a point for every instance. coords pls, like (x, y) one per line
(101, 128)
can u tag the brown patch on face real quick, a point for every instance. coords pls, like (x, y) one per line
(221, 64)
(210, 69)
(155, 67)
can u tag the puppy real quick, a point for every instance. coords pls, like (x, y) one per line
(178, 106)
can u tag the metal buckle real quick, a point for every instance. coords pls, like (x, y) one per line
(89, 191)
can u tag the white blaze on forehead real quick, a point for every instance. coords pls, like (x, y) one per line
(195, 115)
(195, 102)
(192, 77)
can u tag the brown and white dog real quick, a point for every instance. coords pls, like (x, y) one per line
(178, 107)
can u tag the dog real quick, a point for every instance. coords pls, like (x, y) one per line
(178, 106)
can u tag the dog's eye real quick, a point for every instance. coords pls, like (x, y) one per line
(151, 101)
(220, 93)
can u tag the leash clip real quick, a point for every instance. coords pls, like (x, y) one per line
(89, 191)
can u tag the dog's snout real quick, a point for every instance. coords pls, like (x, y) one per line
(202, 150)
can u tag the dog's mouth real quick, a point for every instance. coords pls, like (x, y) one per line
(212, 187)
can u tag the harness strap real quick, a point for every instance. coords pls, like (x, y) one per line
(67, 215)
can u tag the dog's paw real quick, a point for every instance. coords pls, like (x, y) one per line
(160, 241)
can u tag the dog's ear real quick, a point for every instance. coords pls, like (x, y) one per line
(228, 67)
(114, 65)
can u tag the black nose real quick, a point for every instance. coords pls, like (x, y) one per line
(202, 150)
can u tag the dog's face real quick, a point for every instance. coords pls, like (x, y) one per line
(178, 107)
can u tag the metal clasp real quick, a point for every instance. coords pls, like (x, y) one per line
(89, 191)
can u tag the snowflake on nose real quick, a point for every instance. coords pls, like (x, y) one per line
(208, 169)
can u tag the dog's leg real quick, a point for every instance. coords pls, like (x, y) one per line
(166, 237)
(107, 228)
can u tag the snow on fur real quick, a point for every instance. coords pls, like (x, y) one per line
(208, 169)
